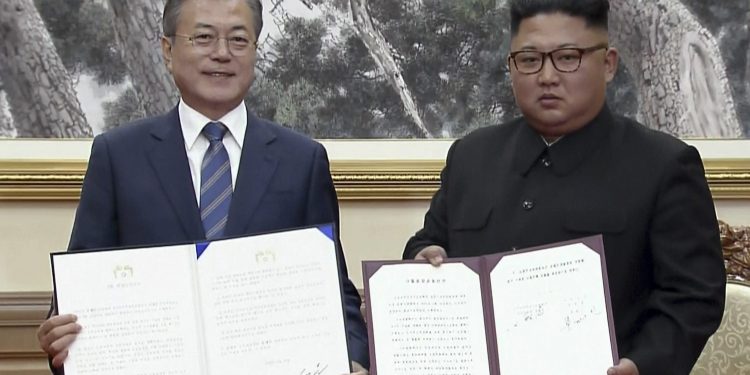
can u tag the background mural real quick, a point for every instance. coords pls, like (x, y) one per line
(367, 68)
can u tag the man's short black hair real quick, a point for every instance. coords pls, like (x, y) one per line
(595, 12)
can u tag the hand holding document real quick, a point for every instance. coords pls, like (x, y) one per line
(224, 307)
(538, 311)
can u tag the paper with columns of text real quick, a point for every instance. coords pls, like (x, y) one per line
(535, 311)
(257, 303)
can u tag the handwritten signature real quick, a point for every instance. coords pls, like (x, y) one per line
(318, 370)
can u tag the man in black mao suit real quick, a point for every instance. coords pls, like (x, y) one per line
(143, 185)
(570, 168)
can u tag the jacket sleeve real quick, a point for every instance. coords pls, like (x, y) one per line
(95, 224)
(435, 227)
(687, 304)
(323, 208)
(95, 219)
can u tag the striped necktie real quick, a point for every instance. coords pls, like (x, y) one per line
(216, 182)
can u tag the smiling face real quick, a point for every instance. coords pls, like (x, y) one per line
(556, 103)
(216, 81)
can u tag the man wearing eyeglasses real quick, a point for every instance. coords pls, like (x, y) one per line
(207, 169)
(570, 168)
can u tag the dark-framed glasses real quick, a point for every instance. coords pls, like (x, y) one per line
(565, 60)
(206, 43)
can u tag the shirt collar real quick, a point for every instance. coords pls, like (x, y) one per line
(550, 143)
(192, 123)
(567, 152)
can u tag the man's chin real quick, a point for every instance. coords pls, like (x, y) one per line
(216, 104)
(552, 127)
(220, 98)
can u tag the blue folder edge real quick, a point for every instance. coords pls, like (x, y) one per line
(200, 247)
(326, 229)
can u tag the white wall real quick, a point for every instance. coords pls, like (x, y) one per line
(29, 232)
(369, 229)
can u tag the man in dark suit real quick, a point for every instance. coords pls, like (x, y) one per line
(207, 169)
(571, 168)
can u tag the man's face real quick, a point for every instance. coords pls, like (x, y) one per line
(556, 103)
(212, 80)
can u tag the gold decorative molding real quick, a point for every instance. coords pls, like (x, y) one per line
(24, 308)
(41, 180)
(386, 180)
(48, 180)
(728, 178)
(21, 313)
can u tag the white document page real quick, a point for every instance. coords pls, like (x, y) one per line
(550, 312)
(428, 320)
(136, 308)
(272, 305)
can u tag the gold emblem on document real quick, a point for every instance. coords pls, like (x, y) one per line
(123, 272)
(265, 256)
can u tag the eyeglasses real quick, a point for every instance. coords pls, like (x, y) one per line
(207, 43)
(565, 60)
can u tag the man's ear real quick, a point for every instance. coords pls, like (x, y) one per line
(166, 51)
(510, 71)
(611, 59)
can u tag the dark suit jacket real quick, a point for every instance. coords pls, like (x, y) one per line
(138, 191)
(646, 192)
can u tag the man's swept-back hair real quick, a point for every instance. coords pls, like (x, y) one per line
(594, 12)
(172, 14)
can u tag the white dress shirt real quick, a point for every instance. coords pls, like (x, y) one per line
(548, 143)
(196, 144)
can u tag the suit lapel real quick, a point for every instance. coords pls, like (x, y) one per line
(257, 166)
(169, 160)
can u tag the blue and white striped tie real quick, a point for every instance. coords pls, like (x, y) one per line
(216, 182)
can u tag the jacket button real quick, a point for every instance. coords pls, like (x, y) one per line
(546, 162)
(527, 204)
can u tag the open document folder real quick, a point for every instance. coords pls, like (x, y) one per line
(537, 311)
(266, 304)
